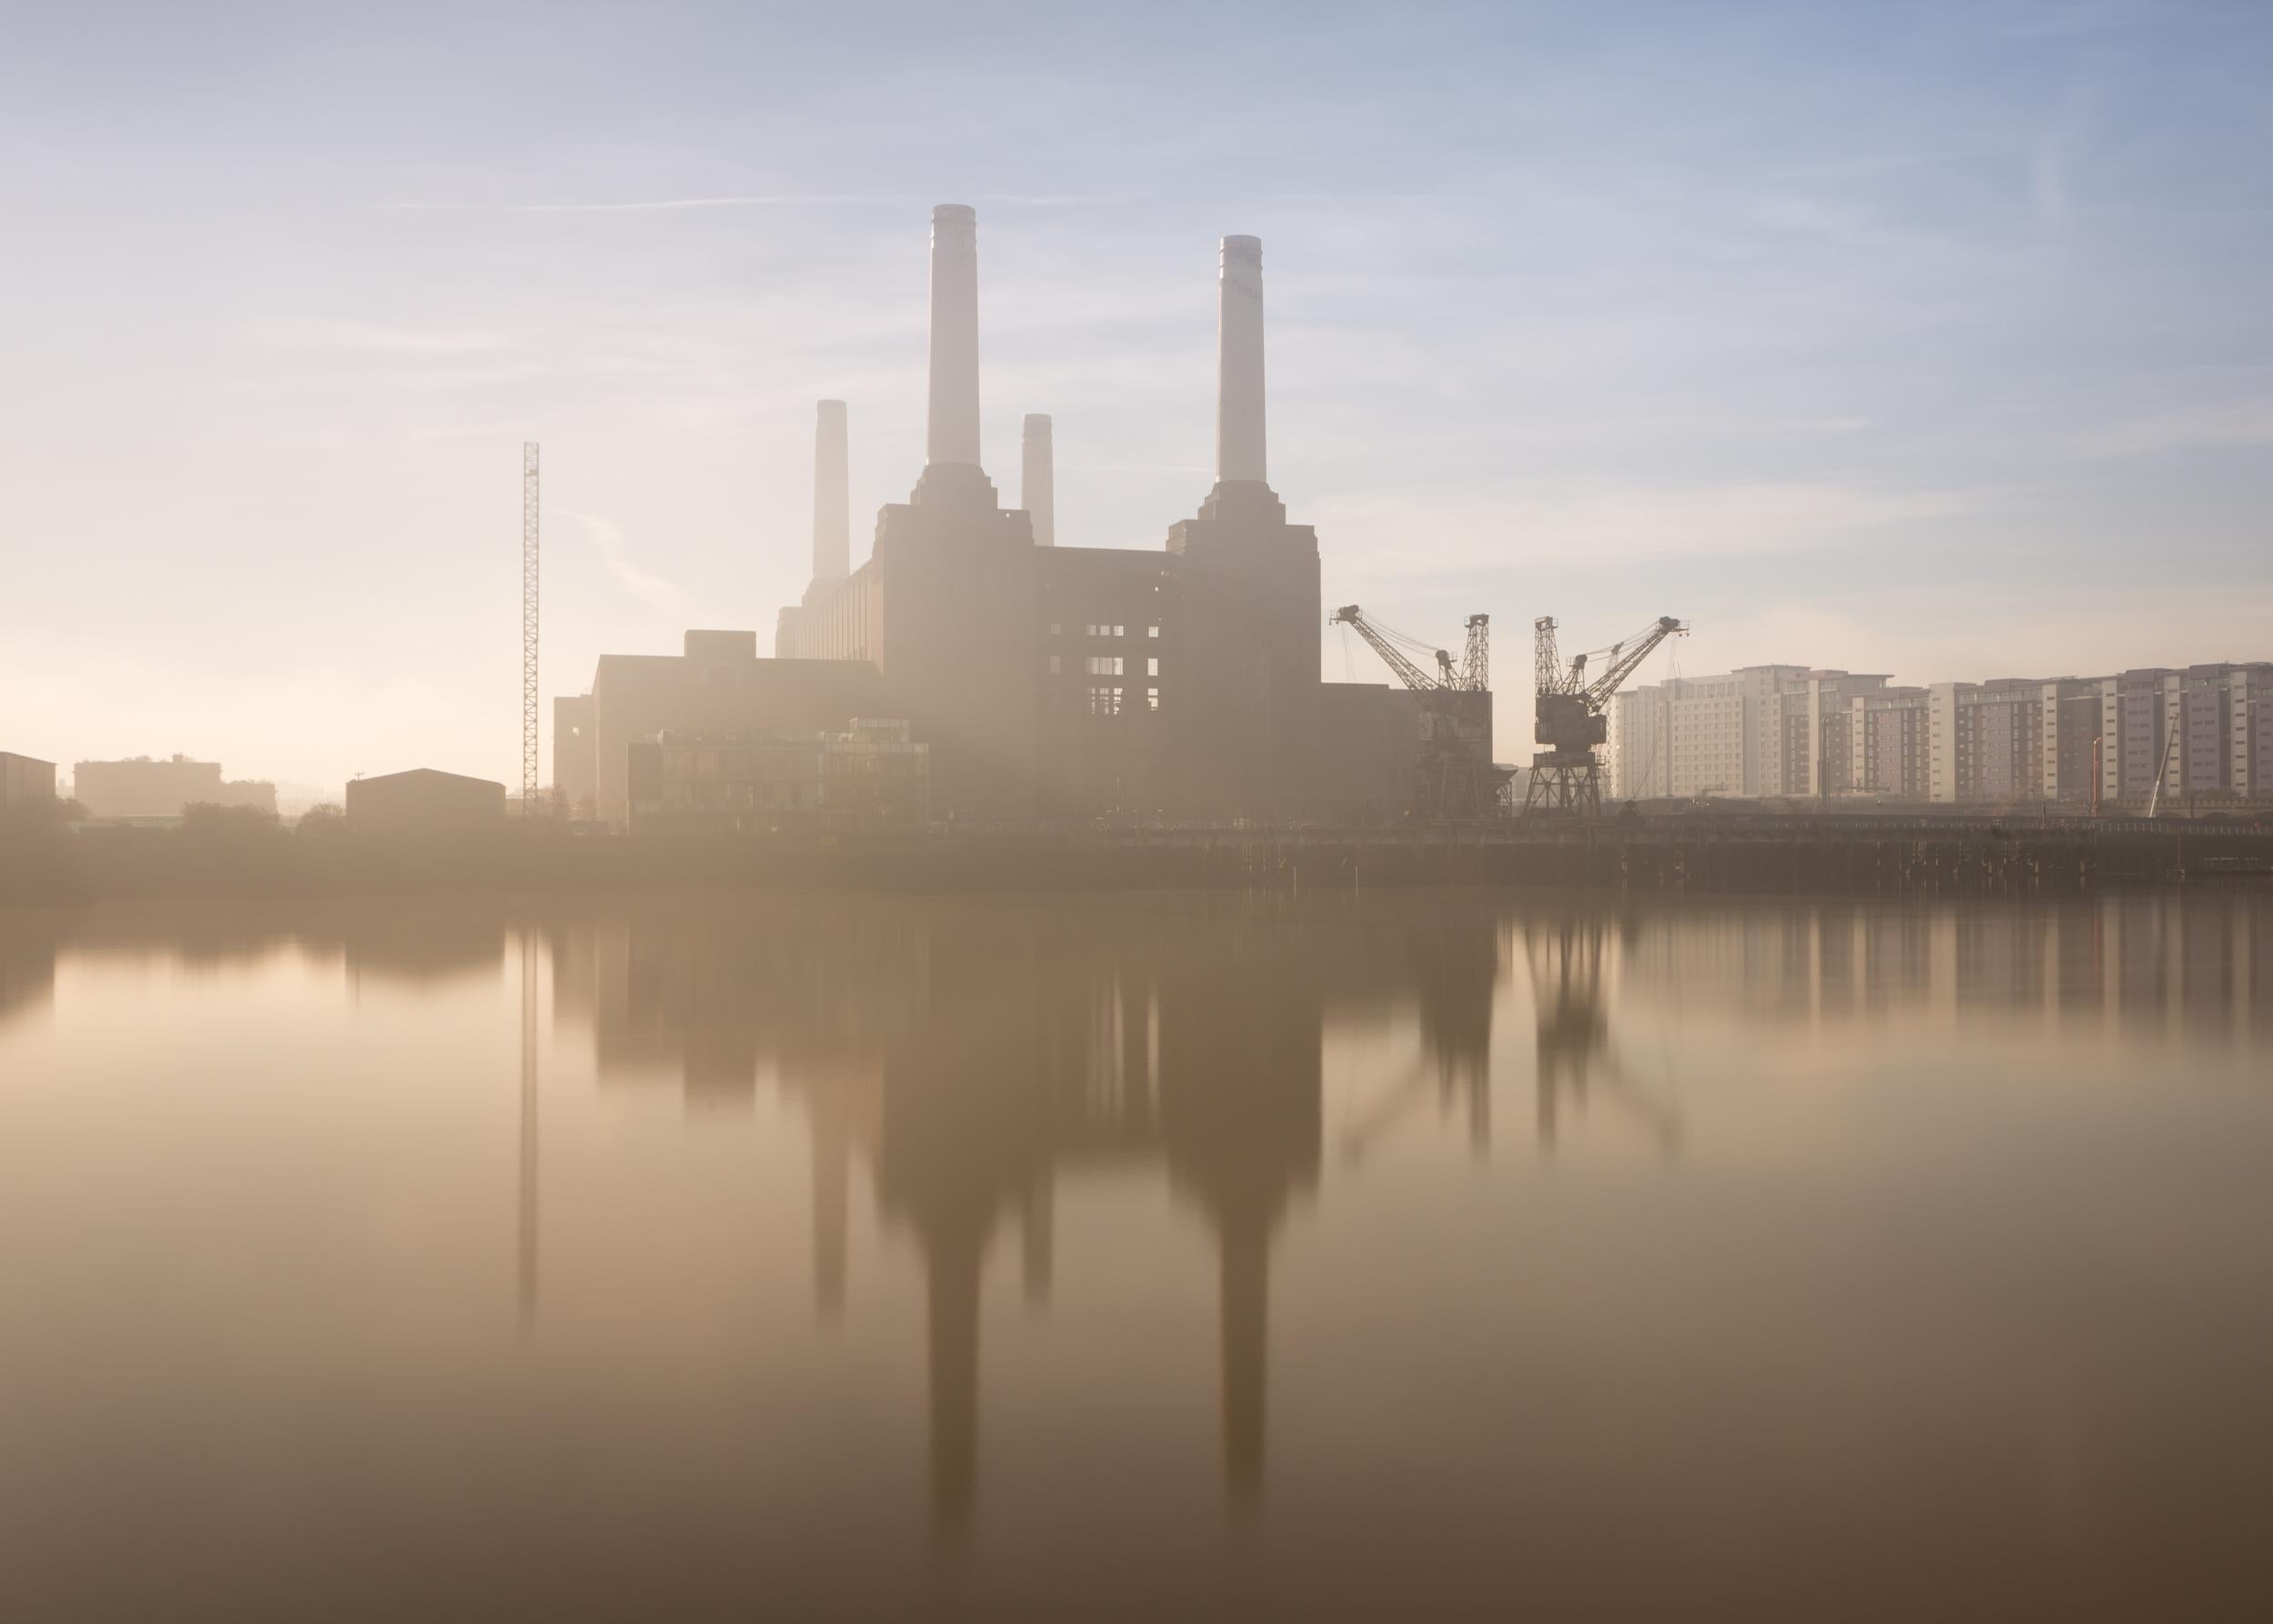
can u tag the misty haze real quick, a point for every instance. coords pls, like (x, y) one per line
(1323, 812)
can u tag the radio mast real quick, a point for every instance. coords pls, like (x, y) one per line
(529, 628)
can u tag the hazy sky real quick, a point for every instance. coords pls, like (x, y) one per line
(1929, 338)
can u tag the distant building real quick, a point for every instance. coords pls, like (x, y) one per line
(871, 777)
(25, 779)
(2205, 731)
(717, 684)
(424, 800)
(1691, 735)
(1987, 741)
(143, 787)
(2222, 719)
(1887, 744)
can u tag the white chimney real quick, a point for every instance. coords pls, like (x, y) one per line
(1037, 480)
(954, 422)
(1240, 364)
(832, 495)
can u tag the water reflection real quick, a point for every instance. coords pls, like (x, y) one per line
(969, 1063)
(973, 1054)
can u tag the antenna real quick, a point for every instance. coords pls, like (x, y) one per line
(529, 628)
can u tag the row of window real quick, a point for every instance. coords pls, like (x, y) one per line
(1106, 664)
(1113, 700)
(1102, 628)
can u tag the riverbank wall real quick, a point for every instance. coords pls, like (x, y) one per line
(1829, 855)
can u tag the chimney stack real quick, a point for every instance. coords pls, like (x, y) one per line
(832, 495)
(1240, 364)
(953, 436)
(1037, 480)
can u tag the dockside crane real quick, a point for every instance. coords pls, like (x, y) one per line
(1570, 717)
(1454, 780)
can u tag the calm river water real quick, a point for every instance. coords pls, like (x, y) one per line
(1142, 1256)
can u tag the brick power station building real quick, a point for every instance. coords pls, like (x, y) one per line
(1175, 680)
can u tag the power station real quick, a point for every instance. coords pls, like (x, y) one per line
(1175, 679)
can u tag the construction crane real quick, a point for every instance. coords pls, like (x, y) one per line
(2162, 771)
(1569, 720)
(1454, 780)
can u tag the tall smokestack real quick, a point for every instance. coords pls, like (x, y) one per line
(832, 495)
(954, 423)
(1037, 480)
(1240, 364)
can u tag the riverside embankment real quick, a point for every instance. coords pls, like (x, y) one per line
(1823, 856)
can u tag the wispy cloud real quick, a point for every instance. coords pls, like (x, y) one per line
(374, 338)
(2202, 427)
(666, 598)
(634, 205)
(640, 204)
(1609, 523)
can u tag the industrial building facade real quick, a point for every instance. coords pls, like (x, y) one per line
(2203, 732)
(1180, 680)
(872, 778)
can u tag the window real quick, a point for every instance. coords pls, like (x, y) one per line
(1054, 628)
(1104, 665)
(1120, 631)
(1152, 668)
(1152, 631)
(1152, 698)
(1105, 701)
(1056, 665)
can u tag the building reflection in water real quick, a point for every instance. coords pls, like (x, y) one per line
(971, 1055)
(1564, 951)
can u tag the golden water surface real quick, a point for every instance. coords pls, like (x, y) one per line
(1413, 1255)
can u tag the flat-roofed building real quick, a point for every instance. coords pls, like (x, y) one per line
(1720, 734)
(2203, 730)
(142, 786)
(717, 682)
(1887, 733)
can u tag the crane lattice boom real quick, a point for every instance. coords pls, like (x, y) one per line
(1412, 675)
(1598, 691)
(1471, 676)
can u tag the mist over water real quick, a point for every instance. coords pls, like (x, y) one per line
(1142, 1256)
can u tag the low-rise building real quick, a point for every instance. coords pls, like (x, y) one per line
(141, 786)
(25, 779)
(424, 800)
(717, 684)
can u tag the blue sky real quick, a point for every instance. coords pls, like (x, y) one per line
(1932, 339)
